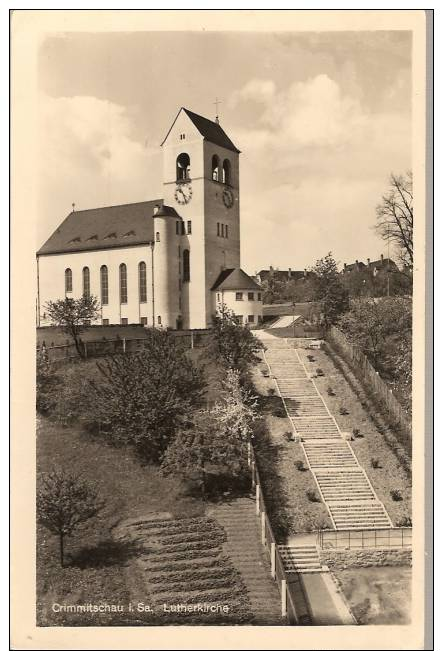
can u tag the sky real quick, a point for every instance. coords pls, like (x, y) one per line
(321, 119)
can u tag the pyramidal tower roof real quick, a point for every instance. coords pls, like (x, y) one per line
(210, 130)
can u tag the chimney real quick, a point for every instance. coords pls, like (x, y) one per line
(305, 273)
(369, 261)
(357, 268)
(289, 272)
(271, 268)
(381, 257)
(156, 208)
(345, 265)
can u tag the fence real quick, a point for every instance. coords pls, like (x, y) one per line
(102, 347)
(365, 538)
(288, 585)
(361, 363)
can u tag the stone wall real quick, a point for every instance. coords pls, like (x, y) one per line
(341, 559)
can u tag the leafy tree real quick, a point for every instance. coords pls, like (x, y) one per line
(329, 289)
(73, 315)
(212, 450)
(372, 324)
(395, 216)
(233, 344)
(64, 502)
(141, 399)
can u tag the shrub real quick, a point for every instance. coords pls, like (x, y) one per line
(375, 463)
(311, 358)
(300, 465)
(265, 372)
(330, 391)
(405, 521)
(396, 495)
(279, 412)
(343, 411)
(312, 496)
(289, 436)
(271, 392)
(357, 434)
(319, 372)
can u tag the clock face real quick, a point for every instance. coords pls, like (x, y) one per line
(183, 193)
(228, 198)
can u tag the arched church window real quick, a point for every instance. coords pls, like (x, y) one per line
(183, 167)
(86, 282)
(68, 280)
(123, 283)
(142, 282)
(186, 266)
(104, 284)
(226, 172)
(215, 168)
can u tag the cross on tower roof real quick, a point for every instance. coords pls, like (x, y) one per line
(217, 102)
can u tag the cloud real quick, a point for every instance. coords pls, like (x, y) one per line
(89, 156)
(257, 90)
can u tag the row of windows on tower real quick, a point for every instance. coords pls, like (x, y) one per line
(219, 171)
(181, 228)
(123, 280)
(222, 230)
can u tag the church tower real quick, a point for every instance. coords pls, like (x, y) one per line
(201, 182)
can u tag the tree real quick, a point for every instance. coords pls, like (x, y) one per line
(395, 217)
(371, 324)
(212, 450)
(64, 502)
(142, 399)
(329, 289)
(233, 344)
(73, 315)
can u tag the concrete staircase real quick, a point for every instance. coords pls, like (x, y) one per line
(342, 482)
(300, 558)
(244, 548)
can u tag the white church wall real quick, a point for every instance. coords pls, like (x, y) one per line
(52, 281)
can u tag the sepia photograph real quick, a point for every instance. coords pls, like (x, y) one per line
(225, 269)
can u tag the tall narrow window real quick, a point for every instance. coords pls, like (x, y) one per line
(218, 229)
(183, 228)
(86, 282)
(189, 228)
(104, 291)
(68, 280)
(177, 228)
(215, 168)
(157, 237)
(186, 266)
(222, 230)
(142, 282)
(226, 230)
(226, 172)
(123, 283)
(183, 167)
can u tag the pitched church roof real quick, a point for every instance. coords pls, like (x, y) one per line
(106, 228)
(211, 131)
(234, 279)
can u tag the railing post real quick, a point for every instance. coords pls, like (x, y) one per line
(86, 348)
(253, 474)
(192, 339)
(273, 552)
(249, 453)
(284, 609)
(263, 528)
(124, 344)
(257, 499)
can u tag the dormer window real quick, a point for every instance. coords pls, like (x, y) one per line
(93, 237)
(183, 167)
(129, 234)
(110, 236)
(182, 136)
(74, 240)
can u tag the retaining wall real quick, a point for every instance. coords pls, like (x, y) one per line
(344, 559)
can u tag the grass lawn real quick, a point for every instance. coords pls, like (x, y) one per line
(371, 444)
(284, 486)
(96, 567)
(378, 595)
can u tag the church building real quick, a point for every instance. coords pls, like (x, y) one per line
(169, 262)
